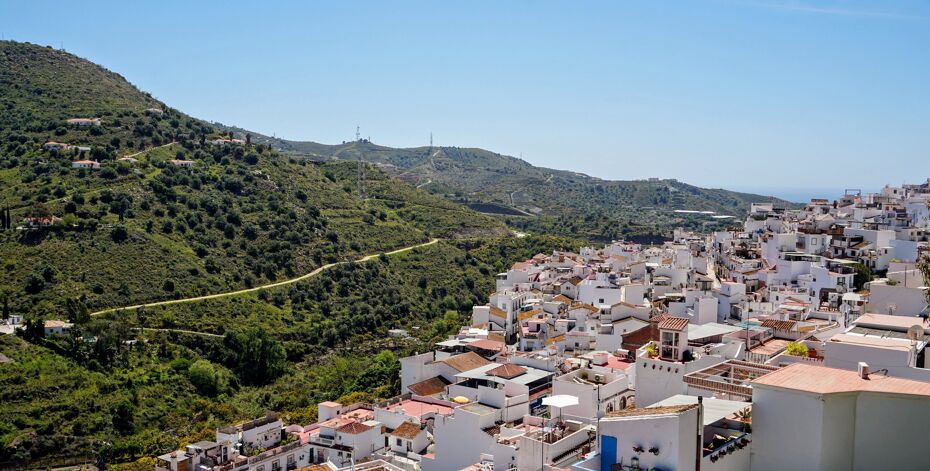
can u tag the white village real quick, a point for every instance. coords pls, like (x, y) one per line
(795, 340)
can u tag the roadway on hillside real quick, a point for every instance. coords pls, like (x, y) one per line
(262, 287)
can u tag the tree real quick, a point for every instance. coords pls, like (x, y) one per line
(34, 283)
(259, 358)
(119, 233)
(77, 311)
(6, 304)
(208, 378)
(33, 329)
(383, 371)
(923, 264)
(863, 276)
(123, 420)
(108, 172)
(120, 205)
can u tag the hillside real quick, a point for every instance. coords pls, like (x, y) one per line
(560, 201)
(240, 215)
(230, 215)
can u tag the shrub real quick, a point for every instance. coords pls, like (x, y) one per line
(797, 349)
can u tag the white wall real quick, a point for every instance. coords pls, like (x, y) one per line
(674, 435)
(907, 301)
(787, 430)
(416, 368)
(896, 425)
(665, 380)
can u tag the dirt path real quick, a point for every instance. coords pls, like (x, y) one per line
(180, 331)
(262, 287)
(146, 150)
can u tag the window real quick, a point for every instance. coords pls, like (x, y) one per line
(260, 468)
(400, 442)
(275, 466)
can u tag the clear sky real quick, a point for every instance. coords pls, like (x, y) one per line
(758, 95)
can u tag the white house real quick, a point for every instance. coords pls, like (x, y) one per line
(91, 164)
(809, 417)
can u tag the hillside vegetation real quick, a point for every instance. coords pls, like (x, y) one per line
(540, 199)
(235, 215)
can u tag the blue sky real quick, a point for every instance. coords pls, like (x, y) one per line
(768, 95)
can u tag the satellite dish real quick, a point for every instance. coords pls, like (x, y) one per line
(915, 332)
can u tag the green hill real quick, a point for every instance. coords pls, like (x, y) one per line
(238, 215)
(132, 232)
(560, 201)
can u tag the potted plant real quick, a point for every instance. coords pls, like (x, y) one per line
(651, 350)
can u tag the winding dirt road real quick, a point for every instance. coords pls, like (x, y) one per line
(262, 287)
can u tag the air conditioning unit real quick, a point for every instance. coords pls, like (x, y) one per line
(599, 379)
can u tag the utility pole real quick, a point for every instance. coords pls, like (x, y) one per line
(358, 135)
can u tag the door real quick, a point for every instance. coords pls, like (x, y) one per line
(608, 452)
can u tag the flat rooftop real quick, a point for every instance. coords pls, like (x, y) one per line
(901, 344)
(714, 409)
(479, 408)
(901, 323)
(415, 408)
(770, 347)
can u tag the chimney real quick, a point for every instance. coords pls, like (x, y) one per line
(863, 370)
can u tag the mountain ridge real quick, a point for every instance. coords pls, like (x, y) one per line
(540, 199)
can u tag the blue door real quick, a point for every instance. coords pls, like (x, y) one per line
(608, 452)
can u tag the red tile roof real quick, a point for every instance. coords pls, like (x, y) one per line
(487, 344)
(465, 361)
(408, 430)
(507, 371)
(778, 324)
(673, 323)
(823, 380)
(354, 428)
(428, 387)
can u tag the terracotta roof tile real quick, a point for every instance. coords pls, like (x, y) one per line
(778, 324)
(824, 380)
(487, 344)
(465, 361)
(354, 428)
(408, 430)
(522, 316)
(428, 387)
(507, 371)
(673, 323)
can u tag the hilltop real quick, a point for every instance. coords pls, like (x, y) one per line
(556, 201)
